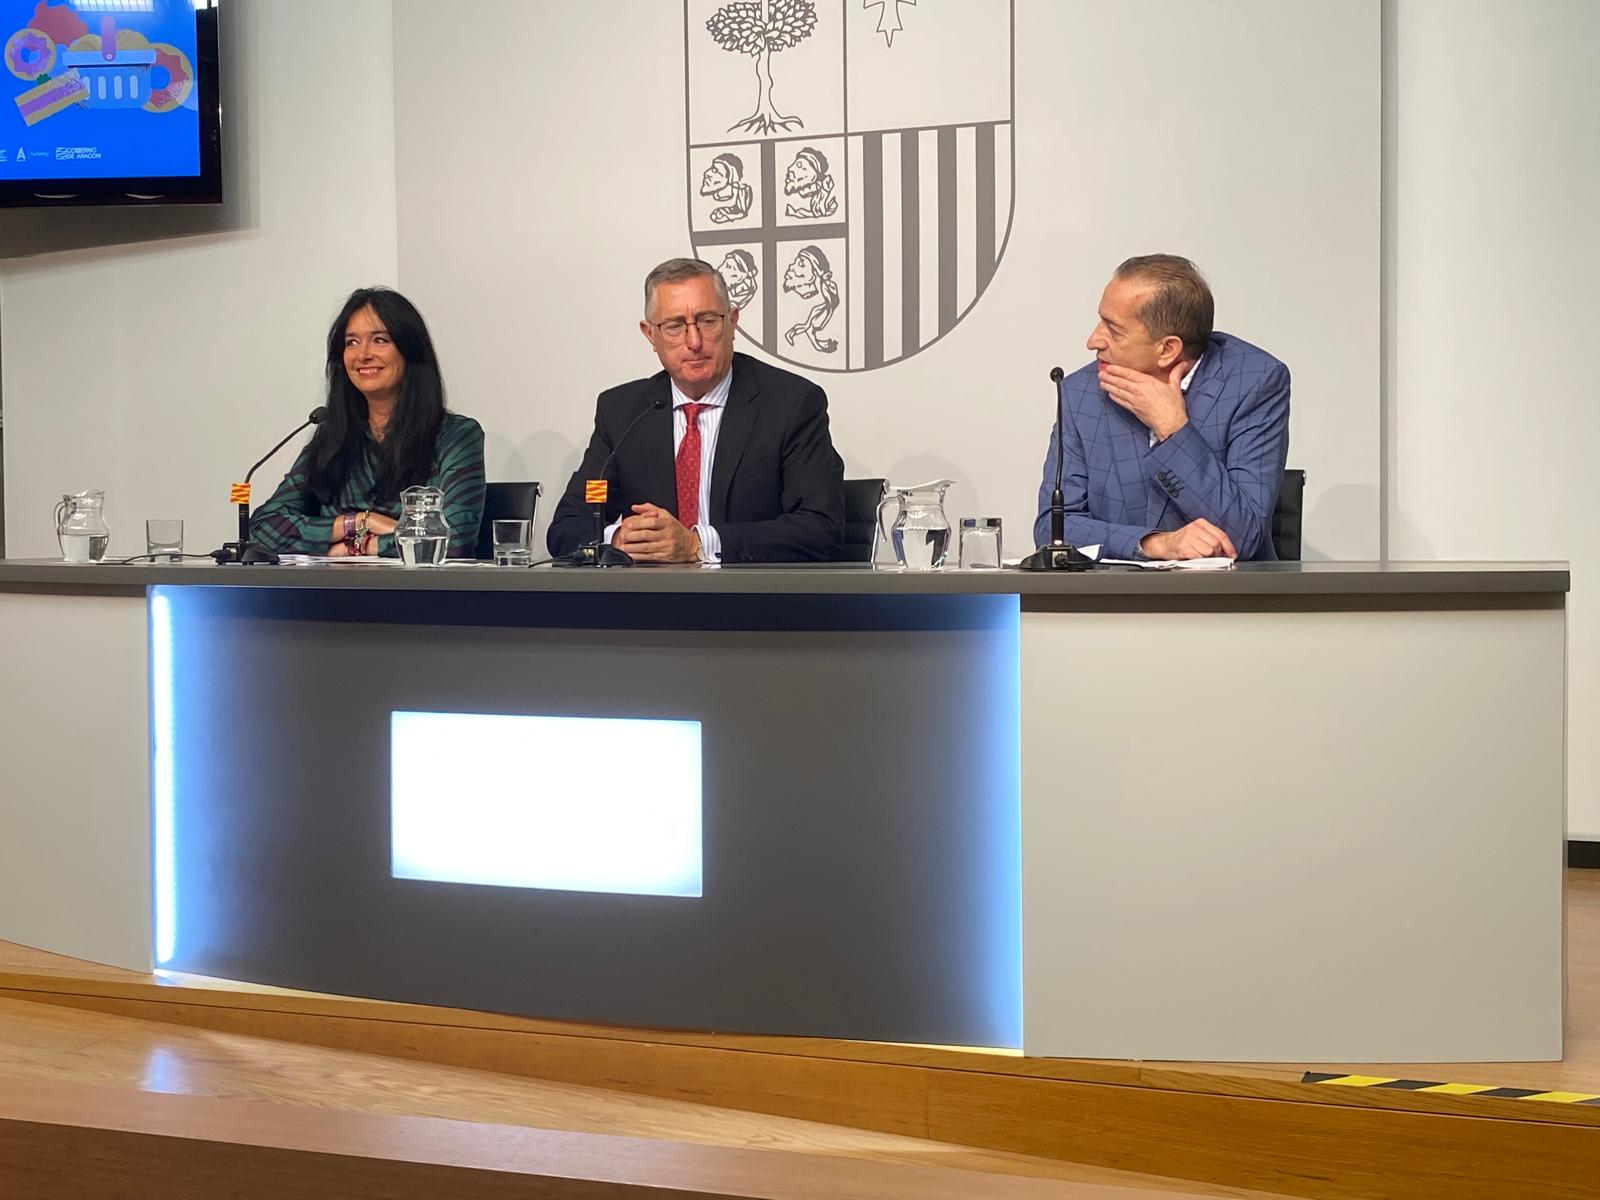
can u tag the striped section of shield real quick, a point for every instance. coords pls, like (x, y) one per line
(930, 211)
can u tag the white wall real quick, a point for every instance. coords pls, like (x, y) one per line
(159, 370)
(154, 369)
(1494, 408)
(1245, 135)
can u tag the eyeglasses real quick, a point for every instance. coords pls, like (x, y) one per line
(709, 324)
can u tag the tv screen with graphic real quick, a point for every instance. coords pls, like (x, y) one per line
(109, 101)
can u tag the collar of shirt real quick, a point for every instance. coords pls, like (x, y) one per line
(717, 396)
(1183, 384)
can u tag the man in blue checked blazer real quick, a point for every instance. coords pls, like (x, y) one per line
(1176, 436)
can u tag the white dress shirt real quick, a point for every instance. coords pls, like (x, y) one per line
(709, 423)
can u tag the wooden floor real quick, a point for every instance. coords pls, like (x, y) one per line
(63, 1058)
(1075, 1123)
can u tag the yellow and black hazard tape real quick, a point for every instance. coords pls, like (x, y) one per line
(1486, 1090)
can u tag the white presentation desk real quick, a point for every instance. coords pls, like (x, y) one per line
(1288, 812)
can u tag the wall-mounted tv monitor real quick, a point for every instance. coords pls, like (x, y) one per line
(109, 102)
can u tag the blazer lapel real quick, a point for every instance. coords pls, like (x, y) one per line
(1205, 389)
(738, 419)
(1198, 401)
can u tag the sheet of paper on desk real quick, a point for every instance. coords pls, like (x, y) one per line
(319, 560)
(1173, 564)
(1152, 564)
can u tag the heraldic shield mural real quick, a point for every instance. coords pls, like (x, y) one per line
(850, 168)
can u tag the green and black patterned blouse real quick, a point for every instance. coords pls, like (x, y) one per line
(294, 521)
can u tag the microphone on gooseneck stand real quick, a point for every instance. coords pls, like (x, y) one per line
(599, 552)
(244, 551)
(1058, 555)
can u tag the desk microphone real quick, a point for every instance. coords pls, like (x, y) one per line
(1058, 555)
(243, 551)
(599, 552)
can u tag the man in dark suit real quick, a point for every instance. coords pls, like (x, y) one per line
(1176, 435)
(730, 460)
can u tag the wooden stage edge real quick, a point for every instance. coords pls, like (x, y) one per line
(68, 1142)
(1234, 1125)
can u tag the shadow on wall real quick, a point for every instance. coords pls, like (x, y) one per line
(962, 500)
(922, 468)
(25, 232)
(509, 461)
(1342, 506)
(29, 231)
(1407, 542)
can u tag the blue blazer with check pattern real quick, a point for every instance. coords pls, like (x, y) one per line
(1225, 465)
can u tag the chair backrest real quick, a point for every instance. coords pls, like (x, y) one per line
(1286, 516)
(861, 497)
(506, 502)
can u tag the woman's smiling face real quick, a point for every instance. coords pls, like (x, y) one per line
(371, 359)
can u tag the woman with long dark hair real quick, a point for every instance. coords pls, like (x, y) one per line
(387, 429)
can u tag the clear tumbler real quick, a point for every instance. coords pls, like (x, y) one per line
(980, 543)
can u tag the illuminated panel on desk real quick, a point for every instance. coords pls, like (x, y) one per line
(577, 804)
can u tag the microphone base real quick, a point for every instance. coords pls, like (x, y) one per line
(246, 554)
(601, 554)
(1058, 556)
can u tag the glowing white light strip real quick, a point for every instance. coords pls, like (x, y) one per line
(164, 885)
(579, 804)
(115, 5)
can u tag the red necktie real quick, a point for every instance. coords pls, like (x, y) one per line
(689, 468)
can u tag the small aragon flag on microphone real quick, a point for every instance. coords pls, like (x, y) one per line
(239, 494)
(595, 491)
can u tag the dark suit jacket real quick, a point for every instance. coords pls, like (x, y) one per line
(777, 485)
(1225, 465)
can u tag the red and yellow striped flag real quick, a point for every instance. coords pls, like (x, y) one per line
(595, 491)
(239, 494)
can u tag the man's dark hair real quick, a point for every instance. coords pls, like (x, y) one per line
(1180, 304)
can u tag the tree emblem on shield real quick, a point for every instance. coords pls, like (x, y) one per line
(757, 28)
(858, 199)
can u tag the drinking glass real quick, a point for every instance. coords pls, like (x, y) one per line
(513, 543)
(164, 540)
(980, 543)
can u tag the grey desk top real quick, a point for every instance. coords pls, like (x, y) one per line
(1311, 579)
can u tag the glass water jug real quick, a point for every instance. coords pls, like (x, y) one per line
(920, 533)
(81, 527)
(422, 533)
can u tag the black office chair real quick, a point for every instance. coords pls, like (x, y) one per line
(861, 497)
(1286, 516)
(505, 502)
